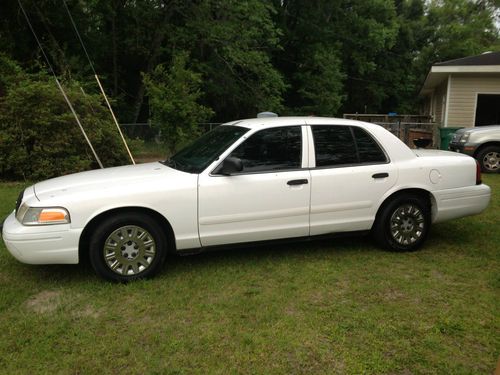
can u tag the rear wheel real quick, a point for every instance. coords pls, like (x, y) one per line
(128, 246)
(403, 223)
(489, 159)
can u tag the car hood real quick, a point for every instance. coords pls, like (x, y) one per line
(481, 129)
(103, 179)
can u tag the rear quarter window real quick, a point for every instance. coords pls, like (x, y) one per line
(368, 149)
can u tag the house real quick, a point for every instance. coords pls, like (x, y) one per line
(464, 92)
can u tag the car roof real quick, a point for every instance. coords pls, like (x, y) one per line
(267, 122)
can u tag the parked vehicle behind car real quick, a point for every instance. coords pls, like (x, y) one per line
(482, 143)
(246, 181)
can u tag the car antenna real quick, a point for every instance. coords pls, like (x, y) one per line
(98, 82)
(60, 86)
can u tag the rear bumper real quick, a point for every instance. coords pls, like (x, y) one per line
(460, 202)
(50, 244)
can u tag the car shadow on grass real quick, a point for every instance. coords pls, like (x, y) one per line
(443, 236)
(252, 255)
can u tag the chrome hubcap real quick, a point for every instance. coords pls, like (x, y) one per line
(129, 250)
(407, 224)
(491, 161)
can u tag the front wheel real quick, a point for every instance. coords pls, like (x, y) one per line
(403, 223)
(489, 159)
(128, 246)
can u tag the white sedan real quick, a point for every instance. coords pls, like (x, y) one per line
(244, 182)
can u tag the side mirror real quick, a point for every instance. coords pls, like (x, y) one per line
(231, 165)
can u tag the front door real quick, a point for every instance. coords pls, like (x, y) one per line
(268, 199)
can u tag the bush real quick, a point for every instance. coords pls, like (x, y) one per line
(39, 137)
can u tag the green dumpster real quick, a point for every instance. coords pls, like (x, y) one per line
(446, 134)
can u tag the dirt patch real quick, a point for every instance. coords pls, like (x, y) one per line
(44, 302)
(87, 312)
(393, 295)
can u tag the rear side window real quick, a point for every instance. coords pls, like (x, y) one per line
(333, 145)
(341, 145)
(368, 150)
(271, 149)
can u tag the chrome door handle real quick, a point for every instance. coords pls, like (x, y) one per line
(298, 182)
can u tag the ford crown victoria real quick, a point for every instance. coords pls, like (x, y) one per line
(244, 182)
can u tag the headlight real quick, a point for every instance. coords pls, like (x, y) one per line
(465, 138)
(43, 215)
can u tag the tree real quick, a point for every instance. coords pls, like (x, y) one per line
(320, 83)
(231, 42)
(173, 98)
(457, 28)
(289, 56)
(38, 135)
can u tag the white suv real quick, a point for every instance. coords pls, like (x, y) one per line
(483, 143)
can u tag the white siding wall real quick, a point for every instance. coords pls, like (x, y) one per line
(463, 95)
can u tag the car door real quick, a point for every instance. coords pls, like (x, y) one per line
(269, 199)
(350, 175)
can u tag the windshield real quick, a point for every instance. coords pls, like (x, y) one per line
(198, 155)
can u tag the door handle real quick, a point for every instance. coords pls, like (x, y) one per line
(380, 175)
(298, 182)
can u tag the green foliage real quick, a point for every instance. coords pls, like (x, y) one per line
(319, 83)
(233, 42)
(173, 98)
(289, 56)
(38, 134)
(457, 28)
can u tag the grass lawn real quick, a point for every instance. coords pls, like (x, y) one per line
(146, 152)
(339, 306)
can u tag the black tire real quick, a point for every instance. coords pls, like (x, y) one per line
(128, 246)
(402, 223)
(489, 159)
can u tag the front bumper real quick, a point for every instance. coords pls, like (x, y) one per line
(460, 202)
(47, 244)
(464, 148)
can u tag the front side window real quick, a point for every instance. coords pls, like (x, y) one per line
(273, 149)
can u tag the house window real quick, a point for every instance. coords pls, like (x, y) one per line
(487, 109)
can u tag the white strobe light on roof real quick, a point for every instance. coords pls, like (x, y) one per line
(266, 114)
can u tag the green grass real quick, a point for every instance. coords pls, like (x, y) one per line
(145, 152)
(339, 306)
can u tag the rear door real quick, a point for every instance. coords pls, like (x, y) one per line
(350, 175)
(268, 200)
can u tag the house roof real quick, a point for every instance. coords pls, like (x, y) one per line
(487, 58)
(488, 62)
